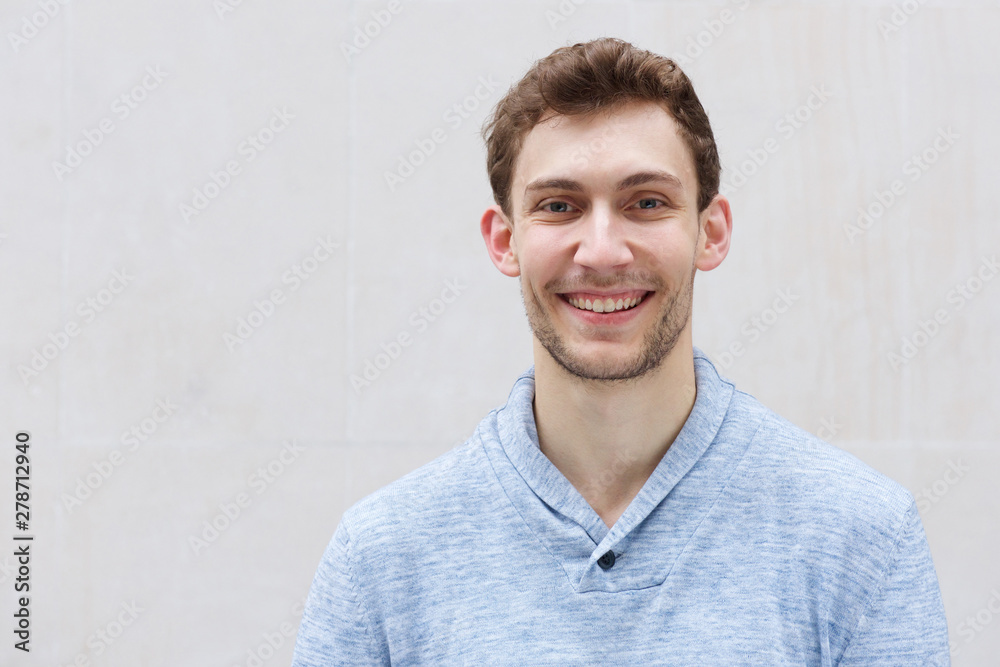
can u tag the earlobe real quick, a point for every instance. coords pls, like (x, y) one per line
(497, 233)
(716, 230)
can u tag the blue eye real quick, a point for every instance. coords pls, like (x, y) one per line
(556, 203)
(648, 199)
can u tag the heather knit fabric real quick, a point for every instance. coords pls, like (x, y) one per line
(752, 543)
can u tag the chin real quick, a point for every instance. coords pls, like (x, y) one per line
(586, 368)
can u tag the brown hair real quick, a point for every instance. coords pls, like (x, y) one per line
(581, 79)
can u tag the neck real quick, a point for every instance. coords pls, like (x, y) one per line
(608, 437)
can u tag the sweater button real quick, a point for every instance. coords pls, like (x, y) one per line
(607, 561)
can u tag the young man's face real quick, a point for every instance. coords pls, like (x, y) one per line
(605, 213)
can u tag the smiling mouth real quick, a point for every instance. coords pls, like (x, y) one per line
(609, 304)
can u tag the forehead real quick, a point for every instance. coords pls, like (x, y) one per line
(599, 149)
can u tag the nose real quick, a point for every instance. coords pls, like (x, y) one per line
(602, 244)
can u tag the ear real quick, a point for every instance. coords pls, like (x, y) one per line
(716, 229)
(498, 233)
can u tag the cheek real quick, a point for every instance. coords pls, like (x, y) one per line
(546, 241)
(671, 255)
(542, 254)
(673, 266)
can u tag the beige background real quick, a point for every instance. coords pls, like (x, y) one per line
(824, 363)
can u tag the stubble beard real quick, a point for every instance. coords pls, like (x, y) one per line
(657, 344)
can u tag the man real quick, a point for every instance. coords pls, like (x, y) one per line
(627, 506)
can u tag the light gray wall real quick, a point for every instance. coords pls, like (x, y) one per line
(891, 82)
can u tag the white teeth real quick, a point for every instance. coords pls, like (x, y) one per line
(605, 306)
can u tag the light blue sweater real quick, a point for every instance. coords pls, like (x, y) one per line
(752, 543)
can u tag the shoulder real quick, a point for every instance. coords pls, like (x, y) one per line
(826, 489)
(421, 504)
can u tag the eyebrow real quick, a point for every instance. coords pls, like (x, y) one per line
(630, 181)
